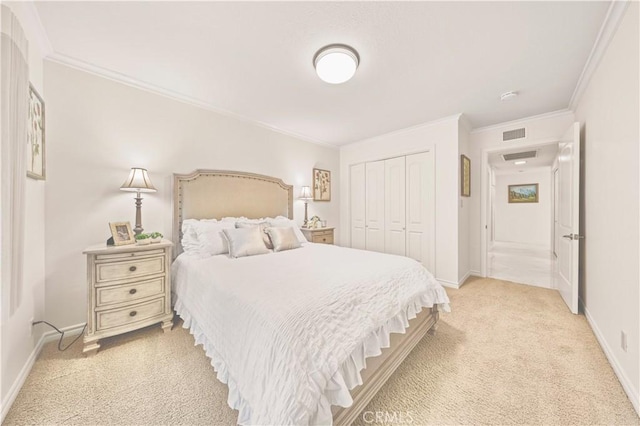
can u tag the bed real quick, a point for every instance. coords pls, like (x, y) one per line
(304, 336)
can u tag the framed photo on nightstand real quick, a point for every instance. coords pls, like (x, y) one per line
(122, 233)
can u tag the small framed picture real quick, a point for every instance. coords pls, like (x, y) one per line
(465, 176)
(527, 193)
(122, 233)
(321, 185)
(35, 136)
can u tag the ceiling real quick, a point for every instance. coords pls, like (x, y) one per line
(545, 155)
(420, 61)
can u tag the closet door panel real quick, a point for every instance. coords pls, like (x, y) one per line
(395, 211)
(374, 202)
(420, 204)
(357, 194)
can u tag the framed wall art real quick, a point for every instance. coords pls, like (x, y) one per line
(35, 136)
(465, 176)
(526, 193)
(122, 233)
(321, 185)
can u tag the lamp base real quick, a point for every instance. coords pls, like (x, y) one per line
(138, 228)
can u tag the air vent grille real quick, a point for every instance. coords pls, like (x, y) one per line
(510, 135)
(519, 155)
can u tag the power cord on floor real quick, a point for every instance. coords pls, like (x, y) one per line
(61, 334)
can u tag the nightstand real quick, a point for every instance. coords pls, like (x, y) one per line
(129, 287)
(318, 235)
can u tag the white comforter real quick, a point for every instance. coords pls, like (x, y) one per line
(284, 329)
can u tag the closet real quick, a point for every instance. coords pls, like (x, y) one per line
(392, 205)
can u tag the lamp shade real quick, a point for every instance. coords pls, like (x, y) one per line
(138, 180)
(305, 193)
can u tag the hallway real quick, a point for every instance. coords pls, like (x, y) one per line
(521, 264)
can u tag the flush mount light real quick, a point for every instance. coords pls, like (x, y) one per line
(517, 163)
(336, 63)
(508, 95)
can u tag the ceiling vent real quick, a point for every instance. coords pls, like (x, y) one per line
(519, 155)
(510, 135)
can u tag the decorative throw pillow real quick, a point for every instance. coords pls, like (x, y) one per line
(262, 225)
(283, 238)
(284, 222)
(245, 241)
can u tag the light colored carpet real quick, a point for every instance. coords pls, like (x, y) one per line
(507, 354)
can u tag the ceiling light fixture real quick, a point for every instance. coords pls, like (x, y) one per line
(336, 63)
(517, 163)
(508, 95)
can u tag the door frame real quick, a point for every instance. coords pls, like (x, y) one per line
(485, 191)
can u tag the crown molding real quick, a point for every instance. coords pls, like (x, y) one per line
(519, 121)
(455, 117)
(157, 90)
(608, 29)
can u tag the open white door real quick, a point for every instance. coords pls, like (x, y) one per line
(569, 217)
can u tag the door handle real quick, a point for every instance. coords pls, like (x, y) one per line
(573, 237)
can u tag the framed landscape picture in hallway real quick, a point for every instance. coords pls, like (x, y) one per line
(527, 193)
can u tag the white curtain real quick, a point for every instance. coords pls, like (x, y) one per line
(14, 76)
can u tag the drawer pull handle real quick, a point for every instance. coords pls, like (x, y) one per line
(133, 313)
(133, 291)
(133, 268)
(324, 239)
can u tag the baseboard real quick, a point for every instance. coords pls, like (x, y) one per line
(463, 279)
(446, 283)
(475, 274)
(22, 377)
(632, 393)
(49, 336)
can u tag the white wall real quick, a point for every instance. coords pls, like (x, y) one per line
(609, 112)
(539, 130)
(442, 137)
(99, 128)
(527, 223)
(18, 343)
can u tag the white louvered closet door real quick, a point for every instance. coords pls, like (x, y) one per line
(420, 205)
(358, 218)
(374, 201)
(394, 210)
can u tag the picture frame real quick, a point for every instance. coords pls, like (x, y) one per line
(465, 176)
(122, 233)
(523, 193)
(36, 164)
(321, 185)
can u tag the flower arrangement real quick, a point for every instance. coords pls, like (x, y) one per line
(156, 237)
(314, 222)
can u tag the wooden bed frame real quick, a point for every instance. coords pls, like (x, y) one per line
(214, 194)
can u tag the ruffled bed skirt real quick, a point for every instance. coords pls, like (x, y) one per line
(348, 375)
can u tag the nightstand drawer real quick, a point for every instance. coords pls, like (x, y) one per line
(131, 314)
(129, 292)
(323, 238)
(129, 269)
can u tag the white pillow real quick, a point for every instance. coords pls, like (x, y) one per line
(283, 238)
(245, 241)
(263, 227)
(284, 222)
(210, 239)
(189, 240)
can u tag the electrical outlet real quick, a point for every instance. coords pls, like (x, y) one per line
(623, 340)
